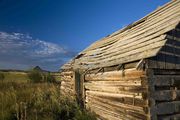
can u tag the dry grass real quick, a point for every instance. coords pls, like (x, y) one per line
(22, 100)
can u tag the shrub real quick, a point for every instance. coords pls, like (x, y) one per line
(2, 76)
(35, 76)
(47, 77)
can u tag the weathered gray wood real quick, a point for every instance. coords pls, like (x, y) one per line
(166, 95)
(151, 110)
(168, 80)
(168, 108)
(170, 117)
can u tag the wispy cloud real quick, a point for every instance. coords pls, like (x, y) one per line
(21, 51)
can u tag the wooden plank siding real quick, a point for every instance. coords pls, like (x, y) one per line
(122, 92)
(67, 79)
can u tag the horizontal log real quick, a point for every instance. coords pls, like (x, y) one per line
(163, 64)
(120, 98)
(107, 114)
(166, 95)
(168, 108)
(67, 89)
(113, 94)
(115, 75)
(168, 80)
(67, 73)
(169, 117)
(105, 83)
(66, 79)
(133, 114)
(139, 109)
(135, 90)
(67, 82)
(67, 76)
(68, 86)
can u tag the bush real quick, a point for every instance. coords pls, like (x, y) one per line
(2, 76)
(47, 77)
(35, 76)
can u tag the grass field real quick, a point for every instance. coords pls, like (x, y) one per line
(23, 100)
(18, 77)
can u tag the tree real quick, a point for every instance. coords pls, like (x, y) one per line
(35, 76)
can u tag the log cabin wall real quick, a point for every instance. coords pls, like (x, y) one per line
(67, 79)
(117, 94)
(164, 79)
(164, 94)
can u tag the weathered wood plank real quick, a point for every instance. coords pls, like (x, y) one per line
(136, 91)
(168, 80)
(107, 114)
(126, 53)
(133, 57)
(152, 26)
(169, 117)
(168, 108)
(137, 108)
(122, 110)
(137, 82)
(166, 95)
(151, 19)
(98, 93)
(115, 75)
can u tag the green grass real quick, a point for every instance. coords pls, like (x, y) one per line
(17, 77)
(20, 99)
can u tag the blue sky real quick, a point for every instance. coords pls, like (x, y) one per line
(50, 32)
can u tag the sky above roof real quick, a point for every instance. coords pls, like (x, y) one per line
(48, 33)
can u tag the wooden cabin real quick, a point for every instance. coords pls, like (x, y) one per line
(134, 73)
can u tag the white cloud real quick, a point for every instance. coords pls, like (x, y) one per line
(11, 41)
(46, 48)
(18, 48)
